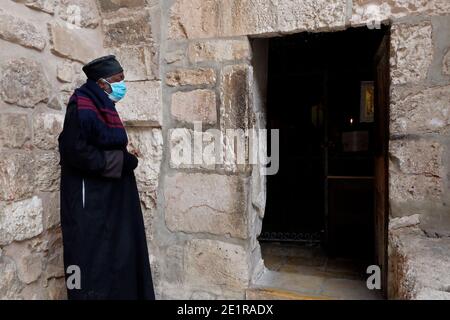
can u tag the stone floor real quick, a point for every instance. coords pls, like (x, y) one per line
(304, 272)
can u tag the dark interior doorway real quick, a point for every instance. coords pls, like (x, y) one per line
(328, 95)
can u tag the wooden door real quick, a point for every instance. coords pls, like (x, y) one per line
(381, 116)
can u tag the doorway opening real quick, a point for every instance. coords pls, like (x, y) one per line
(326, 214)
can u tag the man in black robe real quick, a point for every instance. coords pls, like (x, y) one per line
(101, 218)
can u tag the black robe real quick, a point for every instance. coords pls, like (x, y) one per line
(101, 219)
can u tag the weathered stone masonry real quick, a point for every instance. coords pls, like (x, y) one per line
(192, 61)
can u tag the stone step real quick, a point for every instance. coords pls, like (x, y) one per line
(260, 293)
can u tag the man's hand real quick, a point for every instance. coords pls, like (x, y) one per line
(130, 161)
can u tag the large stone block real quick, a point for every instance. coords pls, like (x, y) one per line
(10, 285)
(211, 263)
(147, 143)
(46, 128)
(51, 209)
(21, 220)
(139, 62)
(28, 260)
(71, 43)
(420, 110)
(14, 130)
(142, 104)
(20, 31)
(235, 115)
(194, 19)
(132, 29)
(218, 50)
(416, 188)
(235, 97)
(311, 15)
(421, 264)
(247, 17)
(210, 203)
(417, 156)
(17, 175)
(194, 77)
(372, 12)
(23, 82)
(48, 171)
(197, 105)
(411, 52)
(80, 13)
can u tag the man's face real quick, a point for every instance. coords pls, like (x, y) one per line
(114, 78)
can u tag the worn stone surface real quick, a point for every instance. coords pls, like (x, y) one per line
(46, 128)
(51, 209)
(142, 104)
(235, 114)
(29, 262)
(139, 62)
(420, 110)
(403, 222)
(368, 11)
(201, 22)
(417, 156)
(21, 220)
(133, 29)
(20, 31)
(69, 43)
(59, 101)
(209, 203)
(424, 263)
(113, 5)
(197, 105)
(10, 284)
(147, 143)
(404, 187)
(218, 50)
(446, 64)
(79, 13)
(16, 175)
(14, 130)
(183, 77)
(411, 52)
(23, 82)
(249, 17)
(234, 96)
(47, 6)
(301, 15)
(212, 263)
(172, 57)
(47, 174)
(65, 71)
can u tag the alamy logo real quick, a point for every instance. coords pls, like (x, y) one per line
(74, 277)
(374, 280)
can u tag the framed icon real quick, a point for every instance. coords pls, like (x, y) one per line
(367, 106)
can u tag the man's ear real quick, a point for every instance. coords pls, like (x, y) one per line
(104, 86)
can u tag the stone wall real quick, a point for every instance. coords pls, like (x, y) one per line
(191, 62)
(206, 55)
(44, 44)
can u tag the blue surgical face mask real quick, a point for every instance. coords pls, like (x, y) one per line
(118, 90)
